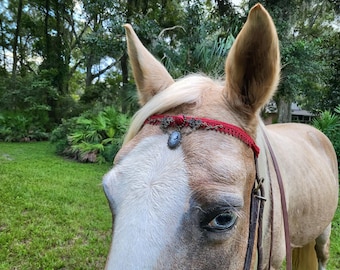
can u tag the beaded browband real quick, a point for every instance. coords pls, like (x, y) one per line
(194, 123)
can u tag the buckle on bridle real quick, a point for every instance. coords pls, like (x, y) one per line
(258, 189)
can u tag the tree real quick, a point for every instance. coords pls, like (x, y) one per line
(301, 28)
(16, 38)
(317, 30)
(59, 58)
(198, 41)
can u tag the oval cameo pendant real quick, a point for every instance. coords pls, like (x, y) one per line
(174, 139)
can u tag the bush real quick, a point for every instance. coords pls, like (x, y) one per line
(27, 97)
(329, 123)
(91, 137)
(59, 135)
(17, 127)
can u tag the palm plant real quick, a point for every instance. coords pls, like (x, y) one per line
(16, 127)
(91, 137)
(329, 123)
(98, 138)
(210, 54)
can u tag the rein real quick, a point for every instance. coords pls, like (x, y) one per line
(178, 122)
(283, 204)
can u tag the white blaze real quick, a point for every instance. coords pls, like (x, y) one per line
(150, 191)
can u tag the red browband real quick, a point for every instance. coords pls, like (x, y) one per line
(181, 121)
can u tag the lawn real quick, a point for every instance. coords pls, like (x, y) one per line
(334, 261)
(54, 215)
(53, 212)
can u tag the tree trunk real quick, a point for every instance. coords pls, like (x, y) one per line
(224, 7)
(47, 36)
(22, 57)
(124, 65)
(284, 111)
(48, 59)
(59, 51)
(2, 31)
(16, 40)
(89, 65)
(125, 77)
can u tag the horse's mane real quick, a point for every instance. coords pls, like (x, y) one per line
(185, 91)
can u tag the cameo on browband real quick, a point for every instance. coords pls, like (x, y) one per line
(177, 122)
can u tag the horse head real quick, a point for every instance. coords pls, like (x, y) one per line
(180, 190)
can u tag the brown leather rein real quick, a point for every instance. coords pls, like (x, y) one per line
(283, 203)
(178, 122)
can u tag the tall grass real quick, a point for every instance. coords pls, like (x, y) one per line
(53, 213)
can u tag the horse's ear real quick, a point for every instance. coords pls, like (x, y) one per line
(150, 75)
(253, 63)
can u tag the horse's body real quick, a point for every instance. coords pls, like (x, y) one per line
(306, 194)
(185, 204)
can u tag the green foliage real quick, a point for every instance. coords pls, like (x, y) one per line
(110, 92)
(27, 96)
(76, 50)
(59, 135)
(199, 41)
(15, 127)
(91, 137)
(329, 123)
(331, 95)
(210, 54)
(309, 54)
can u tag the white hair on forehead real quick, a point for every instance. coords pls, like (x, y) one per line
(184, 91)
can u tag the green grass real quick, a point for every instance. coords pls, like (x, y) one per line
(53, 212)
(54, 215)
(334, 261)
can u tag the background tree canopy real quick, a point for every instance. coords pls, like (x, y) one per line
(63, 58)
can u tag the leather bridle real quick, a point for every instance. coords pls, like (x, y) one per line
(178, 122)
(255, 222)
(256, 215)
(283, 203)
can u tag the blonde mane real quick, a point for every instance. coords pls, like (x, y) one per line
(184, 91)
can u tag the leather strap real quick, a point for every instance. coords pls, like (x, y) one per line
(283, 203)
(272, 217)
(255, 222)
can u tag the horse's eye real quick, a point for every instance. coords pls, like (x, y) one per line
(222, 222)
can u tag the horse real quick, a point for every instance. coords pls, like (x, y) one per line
(201, 183)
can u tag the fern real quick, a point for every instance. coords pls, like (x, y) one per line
(329, 124)
(92, 138)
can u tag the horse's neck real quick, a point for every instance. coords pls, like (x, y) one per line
(263, 172)
(262, 161)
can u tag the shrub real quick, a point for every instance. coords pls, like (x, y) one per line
(91, 138)
(28, 97)
(15, 127)
(59, 135)
(329, 123)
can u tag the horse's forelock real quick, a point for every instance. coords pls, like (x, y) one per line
(187, 90)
